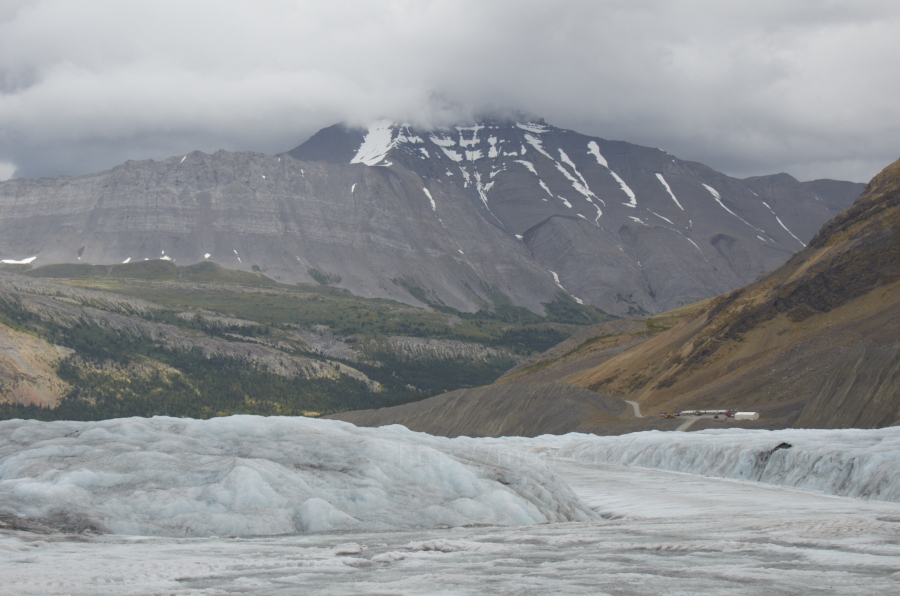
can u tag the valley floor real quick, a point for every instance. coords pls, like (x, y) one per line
(661, 533)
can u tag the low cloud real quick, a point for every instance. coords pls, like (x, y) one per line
(7, 171)
(746, 87)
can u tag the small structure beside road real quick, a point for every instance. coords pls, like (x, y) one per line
(746, 415)
(715, 414)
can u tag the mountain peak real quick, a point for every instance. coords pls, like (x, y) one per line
(502, 209)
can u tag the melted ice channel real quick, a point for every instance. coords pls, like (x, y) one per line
(248, 475)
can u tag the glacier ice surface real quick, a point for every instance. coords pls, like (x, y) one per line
(248, 475)
(657, 532)
(845, 462)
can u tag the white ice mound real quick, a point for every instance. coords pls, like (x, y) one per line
(846, 462)
(248, 475)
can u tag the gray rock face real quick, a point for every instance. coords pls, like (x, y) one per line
(453, 217)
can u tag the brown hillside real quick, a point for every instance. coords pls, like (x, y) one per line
(511, 409)
(816, 343)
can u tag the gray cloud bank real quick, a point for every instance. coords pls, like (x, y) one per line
(806, 87)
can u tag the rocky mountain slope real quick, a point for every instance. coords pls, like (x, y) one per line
(815, 343)
(467, 218)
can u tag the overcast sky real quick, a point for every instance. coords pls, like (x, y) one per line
(811, 88)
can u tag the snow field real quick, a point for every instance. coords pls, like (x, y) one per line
(376, 144)
(246, 475)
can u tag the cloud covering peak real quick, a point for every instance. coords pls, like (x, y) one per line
(747, 88)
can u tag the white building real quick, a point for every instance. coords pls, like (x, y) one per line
(746, 415)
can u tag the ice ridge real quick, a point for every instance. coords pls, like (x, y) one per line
(249, 475)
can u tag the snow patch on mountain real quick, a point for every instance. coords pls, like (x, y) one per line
(625, 188)
(464, 142)
(594, 150)
(433, 204)
(493, 151)
(575, 183)
(538, 145)
(452, 154)
(545, 187)
(669, 190)
(661, 217)
(441, 141)
(557, 282)
(528, 165)
(565, 159)
(778, 219)
(376, 144)
(718, 199)
(533, 127)
(22, 262)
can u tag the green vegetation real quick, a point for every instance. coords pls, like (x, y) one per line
(200, 388)
(207, 287)
(322, 278)
(124, 373)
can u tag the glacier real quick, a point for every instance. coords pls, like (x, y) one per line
(247, 475)
(247, 505)
(846, 462)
